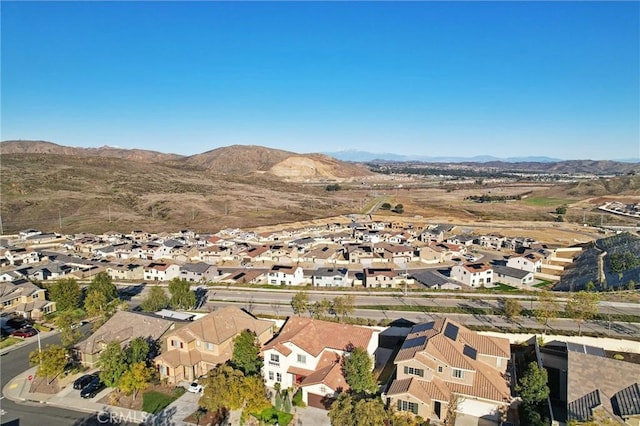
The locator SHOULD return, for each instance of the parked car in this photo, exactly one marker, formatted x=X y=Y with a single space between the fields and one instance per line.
x=92 y=389
x=25 y=332
x=83 y=381
x=195 y=387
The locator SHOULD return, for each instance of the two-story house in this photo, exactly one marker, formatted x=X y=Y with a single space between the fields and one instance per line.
x=130 y=271
x=473 y=274
x=331 y=277
x=198 y=272
x=441 y=362
x=307 y=354
x=531 y=262
x=285 y=275
x=192 y=350
x=24 y=298
x=381 y=278
x=512 y=276
x=161 y=271
x=122 y=327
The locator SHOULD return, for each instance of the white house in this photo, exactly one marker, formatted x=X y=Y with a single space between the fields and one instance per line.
x=473 y=274
x=285 y=275
x=531 y=262
x=331 y=277
x=161 y=272
x=307 y=353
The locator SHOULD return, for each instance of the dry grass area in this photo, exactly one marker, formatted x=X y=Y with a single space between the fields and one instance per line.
x=73 y=194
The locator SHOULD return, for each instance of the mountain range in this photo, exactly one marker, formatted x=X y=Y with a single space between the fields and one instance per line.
x=365 y=156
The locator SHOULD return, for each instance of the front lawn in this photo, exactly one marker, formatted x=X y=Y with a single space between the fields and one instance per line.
x=271 y=416
x=154 y=401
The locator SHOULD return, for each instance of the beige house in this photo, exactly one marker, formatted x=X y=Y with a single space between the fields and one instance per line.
x=130 y=271
x=442 y=360
x=191 y=351
x=122 y=327
x=24 y=298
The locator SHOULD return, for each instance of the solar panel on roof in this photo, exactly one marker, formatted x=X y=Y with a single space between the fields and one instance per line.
x=412 y=343
x=422 y=327
x=451 y=331
x=592 y=350
x=470 y=352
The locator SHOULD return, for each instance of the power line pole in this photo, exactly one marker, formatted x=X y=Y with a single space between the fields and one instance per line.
x=1 y=227
x=60 y=220
x=109 y=213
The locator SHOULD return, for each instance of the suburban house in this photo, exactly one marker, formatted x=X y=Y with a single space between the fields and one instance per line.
x=512 y=276
x=122 y=327
x=192 y=350
x=397 y=253
x=130 y=271
x=198 y=272
x=21 y=256
x=492 y=241
x=473 y=274
x=25 y=298
x=442 y=361
x=307 y=353
x=531 y=262
x=434 y=280
x=381 y=278
x=285 y=275
x=331 y=277
x=589 y=385
x=161 y=271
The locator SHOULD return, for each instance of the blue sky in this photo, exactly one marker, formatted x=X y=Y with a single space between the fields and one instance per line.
x=559 y=79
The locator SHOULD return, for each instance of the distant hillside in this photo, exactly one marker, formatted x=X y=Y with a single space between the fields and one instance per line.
x=43 y=147
x=610 y=263
x=619 y=185
x=602 y=167
x=246 y=159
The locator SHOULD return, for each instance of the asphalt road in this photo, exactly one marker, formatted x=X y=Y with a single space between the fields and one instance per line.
x=36 y=414
x=479 y=300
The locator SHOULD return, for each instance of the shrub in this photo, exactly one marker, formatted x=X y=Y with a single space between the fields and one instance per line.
x=619 y=357
x=297 y=399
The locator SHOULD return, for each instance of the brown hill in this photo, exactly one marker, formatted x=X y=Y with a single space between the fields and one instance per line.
x=247 y=159
x=597 y=167
x=44 y=147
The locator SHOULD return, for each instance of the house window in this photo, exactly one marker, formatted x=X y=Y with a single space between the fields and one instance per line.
x=323 y=390
x=275 y=358
x=302 y=359
x=209 y=346
x=440 y=369
x=270 y=375
x=457 y=373
x=407 y=406
x=278 y=377
x=414 y=371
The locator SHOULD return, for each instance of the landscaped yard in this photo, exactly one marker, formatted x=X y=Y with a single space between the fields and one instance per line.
x=271 y=416
x=153 y=400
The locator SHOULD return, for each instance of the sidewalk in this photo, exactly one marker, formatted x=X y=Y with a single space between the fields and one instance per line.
x=17 y=390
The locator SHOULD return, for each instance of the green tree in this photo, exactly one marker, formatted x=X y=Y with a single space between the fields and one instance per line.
x=511 y=308
x=98 y=306
x=255 y=395
x=51 y=360
x=246 y=353
x=321 y=308
x=155 y=300
x=299 y=303
x=357 y=367
x=343 y=306
x=135 y=379
x=399 y=208
x=631 y=285
x=223 y=388
x=341 y=411
x=548 y=308
x=137 y=351
x=370 y=412
x=182 y=297
x=66 y=293
x=582 y=306
x=69 y=333
x=385 y=206
x=532 y=386
x=113 y=364
x=561 y=210
x=103 y=283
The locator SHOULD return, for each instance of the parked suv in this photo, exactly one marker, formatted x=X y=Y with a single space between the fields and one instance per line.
x=92 y=389
x=83 y=381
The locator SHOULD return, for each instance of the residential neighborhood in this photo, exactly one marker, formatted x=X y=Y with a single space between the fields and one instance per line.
x=431 y=371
